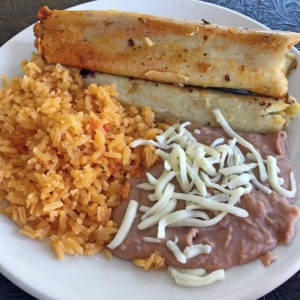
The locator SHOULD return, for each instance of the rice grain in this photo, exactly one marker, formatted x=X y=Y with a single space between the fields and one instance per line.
x=65 y=156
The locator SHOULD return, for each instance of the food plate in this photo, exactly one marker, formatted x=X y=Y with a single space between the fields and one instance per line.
x=32 y=264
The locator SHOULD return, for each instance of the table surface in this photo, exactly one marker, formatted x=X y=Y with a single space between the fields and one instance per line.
x=15 y=15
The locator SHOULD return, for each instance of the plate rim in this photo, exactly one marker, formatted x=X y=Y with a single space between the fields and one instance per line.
x=260 y=289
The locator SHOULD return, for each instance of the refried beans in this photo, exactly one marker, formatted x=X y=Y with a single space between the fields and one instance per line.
x=234 y=240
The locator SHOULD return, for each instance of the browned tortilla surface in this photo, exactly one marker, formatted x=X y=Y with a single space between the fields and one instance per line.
x=243 y=112
x=234 y=240
x=177 y=51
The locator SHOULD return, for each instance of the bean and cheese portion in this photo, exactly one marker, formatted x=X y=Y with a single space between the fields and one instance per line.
x=213 y=201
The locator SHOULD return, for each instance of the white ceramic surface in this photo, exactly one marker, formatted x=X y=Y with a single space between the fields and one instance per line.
x=33 y=266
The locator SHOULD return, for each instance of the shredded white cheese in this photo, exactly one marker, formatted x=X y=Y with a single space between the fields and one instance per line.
x=167 y=166
x=146 y=186
x=162 y=182
x=162 y=202
x=143 y=142
x=149 y=239
x=221 y=120
x=221 y=167
x=195 y=250
x=151 y=178
x=152 y=197
x=175 y=217
x=211 y=204
x=188 y=252
x=274 y=180
x=237 y=169
x=197 y=167
x=154 y=219
x=125 y=226
x=238 y=181
x=172 y=246
x=143 y=208
x=188 y=280
x=259 y=185
x=217 y=142
x=195 y=272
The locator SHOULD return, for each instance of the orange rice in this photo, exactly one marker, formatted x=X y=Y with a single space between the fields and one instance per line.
x=65 y=156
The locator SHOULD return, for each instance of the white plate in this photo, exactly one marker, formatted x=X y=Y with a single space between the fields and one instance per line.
x=33 y=266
